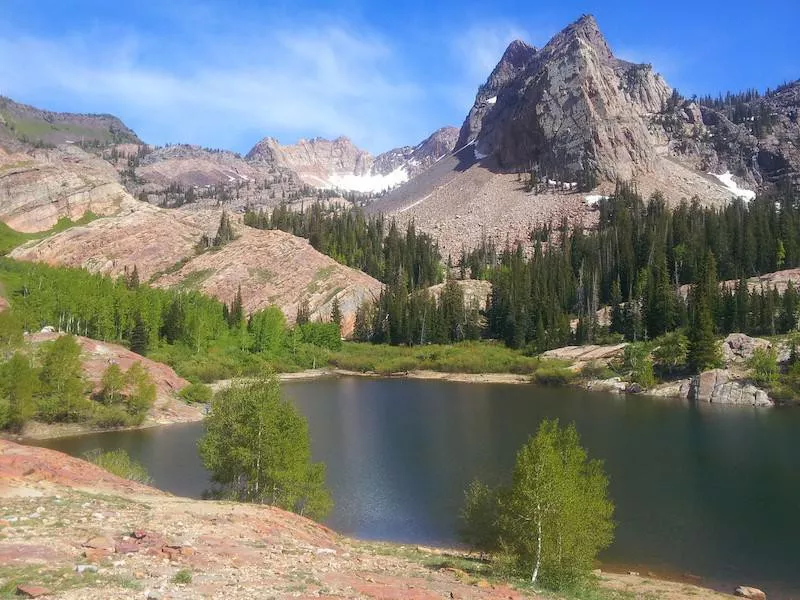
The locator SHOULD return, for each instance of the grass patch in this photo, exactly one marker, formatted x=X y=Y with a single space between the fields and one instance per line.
x=194 y=279
x=465 y=357
x=11 y=238
x=183 y=576
x=57 y=580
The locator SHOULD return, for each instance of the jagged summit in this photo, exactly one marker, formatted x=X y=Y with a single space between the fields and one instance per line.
x=567 y=109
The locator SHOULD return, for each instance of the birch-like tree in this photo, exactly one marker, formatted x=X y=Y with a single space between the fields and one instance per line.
x=257 y=448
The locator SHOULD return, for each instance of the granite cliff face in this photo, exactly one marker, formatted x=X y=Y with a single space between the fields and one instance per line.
x=569 y=108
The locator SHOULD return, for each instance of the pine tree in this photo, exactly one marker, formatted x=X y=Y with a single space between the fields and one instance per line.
x=336 y=313
x=236 y=311
x=704 y=352
x=140 y=336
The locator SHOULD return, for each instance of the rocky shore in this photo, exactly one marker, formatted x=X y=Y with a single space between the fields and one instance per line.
x=71 y=530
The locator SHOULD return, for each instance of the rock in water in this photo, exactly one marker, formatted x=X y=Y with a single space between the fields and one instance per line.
x=717 y=387
x=744 y=591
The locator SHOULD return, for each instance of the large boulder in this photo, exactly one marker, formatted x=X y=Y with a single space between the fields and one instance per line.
x=718 y=387
x=739 y=348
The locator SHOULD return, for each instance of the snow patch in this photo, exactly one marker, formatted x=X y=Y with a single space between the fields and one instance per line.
x=479 y=155
x=726 y=179
x=492 y=100
x=368 y=183
x=593 y=199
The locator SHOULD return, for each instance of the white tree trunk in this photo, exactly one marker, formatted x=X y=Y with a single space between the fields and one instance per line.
x=538 y=562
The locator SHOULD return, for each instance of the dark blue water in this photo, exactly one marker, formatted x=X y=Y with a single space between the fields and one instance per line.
x=704 y=490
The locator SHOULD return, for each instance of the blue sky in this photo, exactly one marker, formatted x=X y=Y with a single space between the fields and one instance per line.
x=225 y=74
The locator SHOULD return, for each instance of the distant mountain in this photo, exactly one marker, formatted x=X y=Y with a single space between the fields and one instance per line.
x=581 y=120
x=341 y=164
x=22 y=125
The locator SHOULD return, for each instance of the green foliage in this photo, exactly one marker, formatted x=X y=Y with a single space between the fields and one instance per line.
x=639 y=364
x=324 y=335
x=119 y=463
x=184 y=576
x=553 y=519
x=557 y=515
x=62 y=385
x=553 y=374
x=257 y=448
x=356 y=240
x=18 y=386
x=10 y=330
x=764 y=366
x=480 y=517
x=113 y=385
x=465 y=357
x=672 y=351
x=196 y=393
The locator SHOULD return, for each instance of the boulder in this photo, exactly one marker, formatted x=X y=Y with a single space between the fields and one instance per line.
x=718 y=387
x=744 y=591
x=739 y=348
x=32 y=591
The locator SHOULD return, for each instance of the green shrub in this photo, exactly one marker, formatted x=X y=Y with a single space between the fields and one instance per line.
x=549 y=374
x=119 y=463
x=596 y=370
x=183 y=576
x=764 y=366
x=196 y=393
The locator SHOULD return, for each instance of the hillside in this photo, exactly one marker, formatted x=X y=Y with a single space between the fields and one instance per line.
x=22 y=126
x=128 y=540
x=40 y=186
x=272 y=267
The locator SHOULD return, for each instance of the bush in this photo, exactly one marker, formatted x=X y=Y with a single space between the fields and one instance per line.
x=183 y=576
x=639 y=364
x=596 y=370
x=196 y=393
x=764 y=366
x=119 y=463
x=553 y=375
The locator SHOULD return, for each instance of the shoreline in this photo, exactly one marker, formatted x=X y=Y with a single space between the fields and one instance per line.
x=37 y=431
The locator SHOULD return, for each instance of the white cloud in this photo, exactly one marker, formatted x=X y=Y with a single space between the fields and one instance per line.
x=324 y=80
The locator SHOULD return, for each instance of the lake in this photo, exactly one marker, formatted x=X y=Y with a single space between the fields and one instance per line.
x=707 y=490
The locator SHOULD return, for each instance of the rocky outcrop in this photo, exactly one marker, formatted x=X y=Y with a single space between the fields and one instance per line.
x=476 y=291
x=41 y=186
x=569 y=108
x=739 y=348
x=719 y=387
x=315 y=160
x=754 y=139
x=415 y=159
x=587 y=354
x=149 y=238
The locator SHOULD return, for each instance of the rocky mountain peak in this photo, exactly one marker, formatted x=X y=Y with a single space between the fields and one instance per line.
x=570 y=109
x=586 y=30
